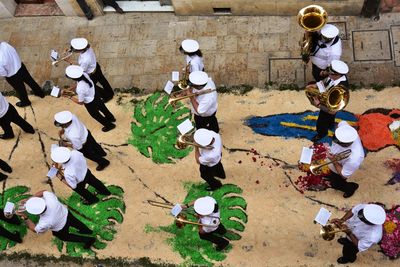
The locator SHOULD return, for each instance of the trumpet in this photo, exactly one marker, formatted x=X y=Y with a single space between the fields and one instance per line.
x=174 y=97
x=317 y=169
x=64 y=56
x=184 y=82
x=187 y=139
x=328 y=231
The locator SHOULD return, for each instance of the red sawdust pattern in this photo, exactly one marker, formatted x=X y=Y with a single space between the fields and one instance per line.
x=374 y=131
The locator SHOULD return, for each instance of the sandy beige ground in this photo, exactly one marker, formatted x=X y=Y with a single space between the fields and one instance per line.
x=279 y=232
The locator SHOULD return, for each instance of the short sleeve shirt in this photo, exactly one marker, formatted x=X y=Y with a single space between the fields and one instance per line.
x=10 y=62
x=208 y=103
x=76 y=133
x=85 y=91
x=75 y=169
x=211 y=157
x=87 y=60
x=324 y=56
x=196 y=63
x=3 y=105
x=213 y=219
x=55 y=216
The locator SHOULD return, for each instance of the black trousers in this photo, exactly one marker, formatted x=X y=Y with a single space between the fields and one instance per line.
x=316 y=73
x=95 y=107
x=13 y=116
x=4 y=232
x=93 y=150
x=111 y=3
x=72 y=221
x=209 y=174
x=90 y=179
x=210 y=123
x=349 y=251
x=106 y=91
x=215 y=237
x=325 y=122
x=5 y=167
x=339 y=183
x=17 y=82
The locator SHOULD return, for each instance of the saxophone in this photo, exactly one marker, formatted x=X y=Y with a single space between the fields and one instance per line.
x=184 y=82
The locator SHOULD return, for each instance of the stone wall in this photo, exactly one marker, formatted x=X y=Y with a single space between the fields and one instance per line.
x=95 y=5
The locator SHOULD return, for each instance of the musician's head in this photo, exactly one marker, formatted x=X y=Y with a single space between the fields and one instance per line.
x=328 y=33
x=372 y=214
x=204 y=137
x=60 y=155
x=63 y=119
x=337 y=69
x=79 y=45
x=345 y=135
x=205 y=206
x=35 y=206
x=198 y=79
x=190 y=47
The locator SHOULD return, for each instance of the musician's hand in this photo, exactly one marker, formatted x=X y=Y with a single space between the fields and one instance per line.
x=337 y=222
x=316 y=101
x=324 y=73
x=330 y=156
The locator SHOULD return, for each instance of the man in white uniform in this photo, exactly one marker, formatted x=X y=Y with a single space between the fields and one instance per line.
x=364 y=229
x=194 y=57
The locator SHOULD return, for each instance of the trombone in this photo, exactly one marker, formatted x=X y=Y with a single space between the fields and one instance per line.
x=317 y=169
x=63 y=57
x=174 y=97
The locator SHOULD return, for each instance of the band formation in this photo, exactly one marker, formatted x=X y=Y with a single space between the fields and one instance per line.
x=329 y=92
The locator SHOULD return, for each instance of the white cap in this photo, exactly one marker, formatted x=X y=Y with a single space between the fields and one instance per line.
x=74 y=71
x=35 y=205
x=329 y=31
x=198 y=77
x=63 y=117
x=203 y=137
x=204 y=205
x=190 y=45
x=346 y=134
x=60 y=154
x=374 y=214
x=79 y=43
x=339 y=66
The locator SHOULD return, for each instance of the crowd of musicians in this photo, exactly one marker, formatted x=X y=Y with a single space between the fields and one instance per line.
x=89 y=87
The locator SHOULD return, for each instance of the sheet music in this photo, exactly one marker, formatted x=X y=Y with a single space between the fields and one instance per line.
x=168 y=87
x=175 y=76
x=176 y=210
x=55 y=92
x=185 y=127
x=322 y=217
x=321 y=86
x=52 y=172
x=9 y=207
x=54 y=55
x=306 y=155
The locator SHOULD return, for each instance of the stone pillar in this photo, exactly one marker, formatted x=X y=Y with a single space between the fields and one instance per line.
x=7 y=8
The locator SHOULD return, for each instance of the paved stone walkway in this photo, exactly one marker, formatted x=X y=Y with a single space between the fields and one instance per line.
x=141 y=49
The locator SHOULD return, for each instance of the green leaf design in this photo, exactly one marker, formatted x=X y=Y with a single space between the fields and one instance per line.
x=187 y=242
x=101 y=217
x=154 y=131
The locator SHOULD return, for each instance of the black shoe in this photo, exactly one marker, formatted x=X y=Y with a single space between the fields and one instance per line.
x=316 y=138
x=108 y=128
x=351 y=191
x=112 y=119
x=7 y=168
x=6 y=136
x=119 y=10
x=3 y=176
x=220 y=248
x=31 y=131
x=41 y=95
x=86 y=232
x=23 y=104
x=108 y=98
x=342 y=260
x=342 y=240
x=89 y=244
x=102 y=166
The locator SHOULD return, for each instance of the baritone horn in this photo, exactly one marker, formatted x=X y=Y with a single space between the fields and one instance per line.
x=317 y=169
x=184 y=82
x=334 y=99
x=328 y=231
x=187 y=139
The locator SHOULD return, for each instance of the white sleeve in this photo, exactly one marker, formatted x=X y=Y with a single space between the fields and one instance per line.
x=41 y=227
x=3 y=71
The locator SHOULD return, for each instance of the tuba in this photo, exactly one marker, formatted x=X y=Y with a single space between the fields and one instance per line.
x=184 y=82
x=187 y=139
x=334 y=99
x=311 y=18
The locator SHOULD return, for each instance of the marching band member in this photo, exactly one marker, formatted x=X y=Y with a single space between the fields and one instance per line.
x=363 y=225
x=54 y=216
x=78 y=137
x=204 y=106
x=9 y=114
x=7 y=234
x=326 y=119
x=194 y=57
x=209 y=157
x=87 y=60
x=4 y=167
x=76 y=174
x=346 y=137
x=328 y=47
x=84 y=89
x=16 y=74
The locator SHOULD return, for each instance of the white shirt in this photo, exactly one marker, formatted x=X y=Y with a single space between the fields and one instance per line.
x=212 y=219
x=211 y=157
x=351 y=163
x=75 y=169
x=84 y=91
x=55 y=215
x=332 y=83
x=324 y=56
x=196 y=63
x=10 y=62
x=3 y=105
x=87 y=60
x=208 y=103
x=367 y=235
x=76 y=133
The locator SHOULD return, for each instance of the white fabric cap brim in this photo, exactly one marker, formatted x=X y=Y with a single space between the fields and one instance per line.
x=339 y=66
x=203 y=137
x=60 y=154
x=198 y=77
x=190 y=46
x=329 y=31
x=79 y=43
x=74 y=71
x=374 y=214
x=35 y=205
x=204 y=205
x=346 y=134
x=63 y=117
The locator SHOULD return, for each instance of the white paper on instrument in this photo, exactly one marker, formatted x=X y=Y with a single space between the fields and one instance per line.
x=54 y=55
x=176 y=210
x=306 y=155
x=175 y=76
x=323 y=216
x=52 y=172
x=321 y=86
x=185 y=127
x=9 y=207
x=55 y=92
x=53 y=146
x=168 y=87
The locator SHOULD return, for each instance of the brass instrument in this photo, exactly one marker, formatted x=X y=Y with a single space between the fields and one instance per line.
x=174 y=97
x=316 y=169
x=311 y=18
x=328 y=231
x=63 y=57
x=184 y=82
x=164 y=205
x=187 y=139
x=69 y=93
x=334 y=99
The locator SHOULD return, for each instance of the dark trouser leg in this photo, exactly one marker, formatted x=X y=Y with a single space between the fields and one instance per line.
x=212 y=237
x=5 y=124
x=72 y=221
x=83 y=192
x=94 y=145
x=325 y=122
x=102 y=107
x=27 y=78
x=94 y=111
x=18 y=120
x=316 y=73
x=338 y=182
x=5 y=167
x=219 y=171
x=210 y=123
x=11 y=236
x=98 y=75
x=90 y=151
x=13 y=220
x=349 y=251
x=207 y=174
x=16 y=81
x=96 y=183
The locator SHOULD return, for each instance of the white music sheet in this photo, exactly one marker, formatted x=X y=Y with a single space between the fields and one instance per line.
x=175 y=76
x=176 y=210
x=55 y=92
x=322 y=217
x=168 y=87
x=306 y=155
x=52 y=172
x=185 y=127
x=53 y=55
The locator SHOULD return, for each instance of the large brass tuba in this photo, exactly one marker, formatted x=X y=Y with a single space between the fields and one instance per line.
x=311 y=18
x=334 y=99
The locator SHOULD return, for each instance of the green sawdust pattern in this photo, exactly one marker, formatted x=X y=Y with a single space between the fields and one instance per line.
x=187 y=242
x=154 y=131
x=100 y=217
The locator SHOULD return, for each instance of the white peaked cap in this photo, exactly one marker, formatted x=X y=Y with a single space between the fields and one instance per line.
x=63 y=117
x=203 y=137
x=339 y=66
x=35 y=205
x=374 y=214
x=198 y=77
x=329 y=31
x=74 y=71
x=60 y=154
x=79 y=43
x=190 y=45
x=346 y=134
x=204 y=205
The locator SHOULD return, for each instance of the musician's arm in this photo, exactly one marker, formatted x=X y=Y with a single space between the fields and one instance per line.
x=338 y=168
x=65 y=182
x=352 y=237
x=195 y=104
x=76 y=100
x=197 y=154
x=39 y=193
x=31 y=225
